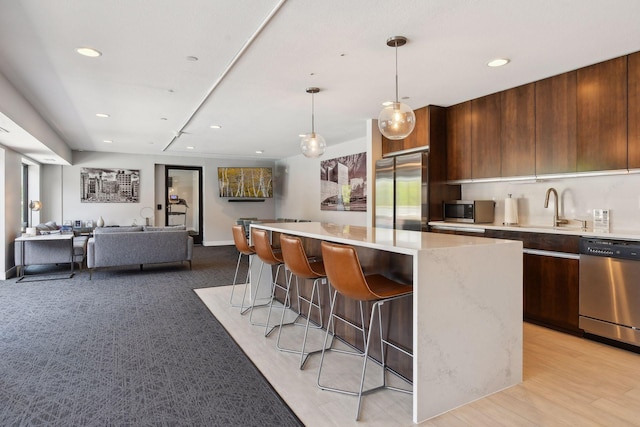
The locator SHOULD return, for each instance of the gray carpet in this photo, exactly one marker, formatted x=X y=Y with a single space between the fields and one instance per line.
x=128 y=348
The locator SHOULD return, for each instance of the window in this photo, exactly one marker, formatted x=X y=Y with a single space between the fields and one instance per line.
x=24 y=197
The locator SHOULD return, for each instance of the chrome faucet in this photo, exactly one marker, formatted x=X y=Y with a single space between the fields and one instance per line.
x=556 y=217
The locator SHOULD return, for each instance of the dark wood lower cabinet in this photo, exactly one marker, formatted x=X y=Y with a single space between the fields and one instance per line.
x=550 y=288
x=550 y=283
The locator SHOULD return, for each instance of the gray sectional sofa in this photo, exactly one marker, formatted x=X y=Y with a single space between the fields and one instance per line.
x=122 y=246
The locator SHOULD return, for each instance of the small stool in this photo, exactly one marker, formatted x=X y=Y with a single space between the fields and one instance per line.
x=345 y=274
x=296 y=260
x=242 y=245
x=268 y=256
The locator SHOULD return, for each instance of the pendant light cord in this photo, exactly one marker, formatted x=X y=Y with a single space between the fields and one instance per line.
x=313 y=131
x=396 y=72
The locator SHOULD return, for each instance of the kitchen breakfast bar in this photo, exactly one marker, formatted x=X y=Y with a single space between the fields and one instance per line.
x=466 y=310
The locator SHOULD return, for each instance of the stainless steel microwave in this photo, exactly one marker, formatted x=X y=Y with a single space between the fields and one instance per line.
x=470 y=211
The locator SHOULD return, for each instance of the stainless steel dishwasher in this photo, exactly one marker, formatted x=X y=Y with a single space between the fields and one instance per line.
x=610 y=289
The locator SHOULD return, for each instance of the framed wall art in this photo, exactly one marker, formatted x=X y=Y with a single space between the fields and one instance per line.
x=98 y=185
x=343 y=183
x=245 y=183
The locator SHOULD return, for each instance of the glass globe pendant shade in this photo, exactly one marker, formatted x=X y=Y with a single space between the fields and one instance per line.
x=313 y=145
x=396 y=121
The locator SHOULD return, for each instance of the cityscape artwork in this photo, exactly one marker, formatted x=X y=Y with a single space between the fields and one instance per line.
x=98 y=185
x=343 y=183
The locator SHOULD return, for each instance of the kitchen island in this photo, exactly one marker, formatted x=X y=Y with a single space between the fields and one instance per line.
x=467 y=306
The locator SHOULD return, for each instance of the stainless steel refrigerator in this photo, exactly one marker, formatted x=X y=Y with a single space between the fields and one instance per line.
x=401 y=192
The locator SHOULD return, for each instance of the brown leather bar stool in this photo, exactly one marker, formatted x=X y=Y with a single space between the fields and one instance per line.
x=243 y=247
x=268 y=256
x=345 y=274
x=296 y=260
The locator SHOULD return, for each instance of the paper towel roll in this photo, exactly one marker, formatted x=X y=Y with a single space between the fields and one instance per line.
x=510 y=211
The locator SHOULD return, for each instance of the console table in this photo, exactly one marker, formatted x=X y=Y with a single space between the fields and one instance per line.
x=45 y=249
x=466 y=312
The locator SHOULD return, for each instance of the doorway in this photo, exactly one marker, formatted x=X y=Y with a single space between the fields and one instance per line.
x=183 y=196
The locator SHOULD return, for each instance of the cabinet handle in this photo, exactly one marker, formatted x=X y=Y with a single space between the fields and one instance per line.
x=550 y=253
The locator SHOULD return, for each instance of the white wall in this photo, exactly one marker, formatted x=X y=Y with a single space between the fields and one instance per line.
x=298 y=186
x=578 y=197
x=219 y=214
x=18 y=109
x=10 y=185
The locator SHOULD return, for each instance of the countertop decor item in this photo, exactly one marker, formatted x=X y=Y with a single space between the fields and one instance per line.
x=396 y=120
x=510 y=211
x=147 y=214
x=313 y=144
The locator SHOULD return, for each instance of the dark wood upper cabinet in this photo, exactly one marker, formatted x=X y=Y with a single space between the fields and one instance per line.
x=556 y=124
x=634 y=110
x=420 y=135
x=391 y=145
x=517 y=130
x=459 y=141
x=485 y=137
x=602 y=116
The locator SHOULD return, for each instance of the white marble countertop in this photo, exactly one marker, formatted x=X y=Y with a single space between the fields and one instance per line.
x=398 y=241
x=567 y=230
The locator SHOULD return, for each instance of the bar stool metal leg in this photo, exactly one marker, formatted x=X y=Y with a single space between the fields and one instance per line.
x=377 y=307
x=235 y=277
x=315 y=292
x=286 y=303
x=242 y=245
x=246 y=308
x=266 y=304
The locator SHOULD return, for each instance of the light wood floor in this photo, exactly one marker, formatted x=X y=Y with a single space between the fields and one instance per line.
x=568 y=381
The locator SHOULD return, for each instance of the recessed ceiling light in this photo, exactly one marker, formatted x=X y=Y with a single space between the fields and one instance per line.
x=163 y=118
x=190 y=148
x=259 y=151
x=50 y=160
x=102 y=115
x=192 y=58
x=88 y=51
x=387 y=103
x=302 y=135
x=498 y=62
x=108 y=141
x=215 y=127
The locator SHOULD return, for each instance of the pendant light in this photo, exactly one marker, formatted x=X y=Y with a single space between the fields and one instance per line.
x=312 y=144
x=396 y=120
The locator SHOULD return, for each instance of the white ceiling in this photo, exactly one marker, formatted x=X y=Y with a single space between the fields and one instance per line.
x=144 y=81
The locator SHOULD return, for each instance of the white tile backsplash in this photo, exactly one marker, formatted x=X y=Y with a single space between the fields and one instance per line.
x=578 y=197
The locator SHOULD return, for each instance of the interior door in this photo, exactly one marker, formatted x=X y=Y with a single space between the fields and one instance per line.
x=183 y=199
